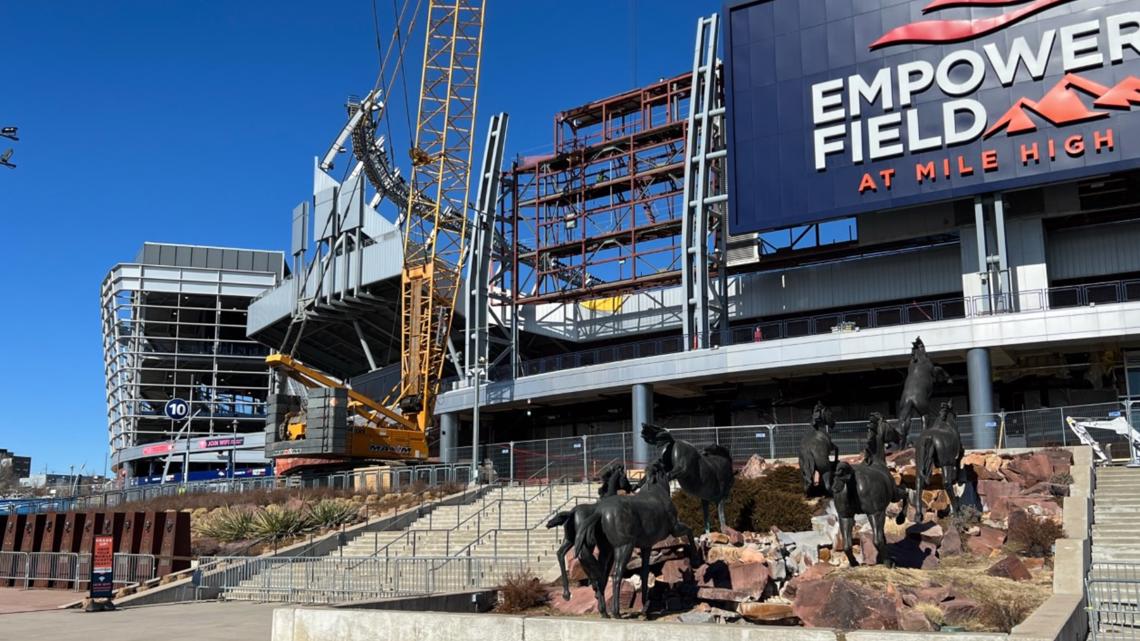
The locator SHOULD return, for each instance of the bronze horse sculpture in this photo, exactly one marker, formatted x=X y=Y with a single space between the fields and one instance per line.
x=613 y=480
x=705 y=474
x=921 y=376
x=868 y=488
x=618 y=524
x=818 y=454
x=939 y=445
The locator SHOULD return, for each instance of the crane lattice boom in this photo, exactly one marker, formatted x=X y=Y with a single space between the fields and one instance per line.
x=441 y=171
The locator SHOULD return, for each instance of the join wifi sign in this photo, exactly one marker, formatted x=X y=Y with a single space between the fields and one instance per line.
x=838 y=107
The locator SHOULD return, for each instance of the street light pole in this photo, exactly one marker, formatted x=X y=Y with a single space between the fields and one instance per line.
x=478 y=372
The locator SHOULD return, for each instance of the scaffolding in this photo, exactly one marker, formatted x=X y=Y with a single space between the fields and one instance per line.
x=176 y=330
x=602 y=215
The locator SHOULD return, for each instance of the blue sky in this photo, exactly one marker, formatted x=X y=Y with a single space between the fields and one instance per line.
x=196 y=122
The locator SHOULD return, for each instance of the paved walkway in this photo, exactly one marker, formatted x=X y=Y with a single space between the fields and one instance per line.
x=212 y=621
x=19 y=600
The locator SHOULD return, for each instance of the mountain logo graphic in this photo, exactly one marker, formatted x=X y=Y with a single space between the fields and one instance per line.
x=1062 y=105
x=944 y=31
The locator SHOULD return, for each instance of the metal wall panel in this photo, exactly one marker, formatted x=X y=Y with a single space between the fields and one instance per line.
x=1098 y=250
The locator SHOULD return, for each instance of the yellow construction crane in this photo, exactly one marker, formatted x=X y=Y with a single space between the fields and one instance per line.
x=435 y=246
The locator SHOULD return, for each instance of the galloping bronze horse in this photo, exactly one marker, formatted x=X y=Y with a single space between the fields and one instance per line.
x=613 y=481
x=921 y=376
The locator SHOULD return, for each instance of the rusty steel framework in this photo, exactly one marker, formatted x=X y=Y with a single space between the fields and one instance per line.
x=602 y=215
x=441 y=168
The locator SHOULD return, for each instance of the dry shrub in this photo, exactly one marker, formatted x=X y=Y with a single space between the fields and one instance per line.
x=1034 y=535
x=1004 y=603
x=755 y=504
x=1062 y=478
x=520 y=591
x=932 y=612
x=1003 y=614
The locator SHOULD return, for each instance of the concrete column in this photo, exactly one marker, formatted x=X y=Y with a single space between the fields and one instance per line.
x=642 y=413
x=448 y=436
x=981 y=397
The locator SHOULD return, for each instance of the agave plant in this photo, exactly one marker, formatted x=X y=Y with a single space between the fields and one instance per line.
x=275 y=522
x=227 y=524
x=332 y=513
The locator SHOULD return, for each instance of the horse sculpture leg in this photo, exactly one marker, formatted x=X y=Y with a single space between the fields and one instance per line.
x=705 y=511
x=621 y=559
x=878 y=523
x=645 y=553
x=847 y=527
x=720 y=514
x=950 y=482
x=597 y=569
x=567 y=543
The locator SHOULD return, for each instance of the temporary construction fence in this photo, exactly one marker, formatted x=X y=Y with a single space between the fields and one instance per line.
x=331 y=579
x=394 y=478
x=70 y=570
x=585 y=456
x=1113 y=592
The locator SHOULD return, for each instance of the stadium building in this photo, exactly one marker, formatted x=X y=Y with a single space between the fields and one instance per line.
x=174 y=328
x=730 y=245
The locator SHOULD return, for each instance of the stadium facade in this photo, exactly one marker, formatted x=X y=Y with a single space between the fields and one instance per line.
x=174 y=326
x=727 y=246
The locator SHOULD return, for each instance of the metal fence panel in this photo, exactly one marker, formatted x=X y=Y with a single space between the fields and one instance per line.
x=1113 y=591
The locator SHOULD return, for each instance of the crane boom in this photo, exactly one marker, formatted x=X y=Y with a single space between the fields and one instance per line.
x=434 y=250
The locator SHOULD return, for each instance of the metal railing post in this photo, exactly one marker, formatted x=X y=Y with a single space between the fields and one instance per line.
x=511 y=478
x=771 y=442
x=585 y=461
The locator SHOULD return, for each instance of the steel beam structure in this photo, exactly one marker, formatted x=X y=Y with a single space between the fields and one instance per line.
x=704 y=236
x=601 y=216
x=476 y=352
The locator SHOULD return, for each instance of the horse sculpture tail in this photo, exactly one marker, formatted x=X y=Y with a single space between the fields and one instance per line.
x=655 y=434
x=587 y=538
x=559 y=519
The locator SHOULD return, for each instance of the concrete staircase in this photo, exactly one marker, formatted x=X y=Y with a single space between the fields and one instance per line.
x=1116 y=516
x=504 y=531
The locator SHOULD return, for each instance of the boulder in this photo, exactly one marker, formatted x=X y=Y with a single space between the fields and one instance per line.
x=989 y=490
x=574 y=570
x=582 y=599
x=814 y=573
x=1033 y=468
x=951 y=542
x=721 y=581
x=936 y=500
x=717 y=538
x=766 y=612
x=959 y=610
x=1033 y=564
x=1010 y=567
x=1062 y=460
x=934 y=594
x=1046 y=488
x=927 y=531
x=752 y=554
x=836 y=603
x=697 y=617
x=1002 y=506
x=756 y=467
x=734 y=537
x=988 y=541
x=675 y=571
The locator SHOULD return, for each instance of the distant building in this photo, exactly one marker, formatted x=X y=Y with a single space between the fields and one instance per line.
x=21 y=465
x=174 y=327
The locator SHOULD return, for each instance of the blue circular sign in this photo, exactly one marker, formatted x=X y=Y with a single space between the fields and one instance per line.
x=177 y=409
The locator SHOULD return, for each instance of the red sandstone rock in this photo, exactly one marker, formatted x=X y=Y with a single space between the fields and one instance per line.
x=836 y=603
x=734 y=537
x=766 y=612
x=990 y=490
x=1033 y=468
x=959 y=610
x=755 y=468
x=934 y=594
x=582 y=599
x=743 y=580
x=987 y=542
x=951 y=542
x=1010 y=567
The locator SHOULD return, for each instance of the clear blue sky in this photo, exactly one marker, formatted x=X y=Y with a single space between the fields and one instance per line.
x=196 y=122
